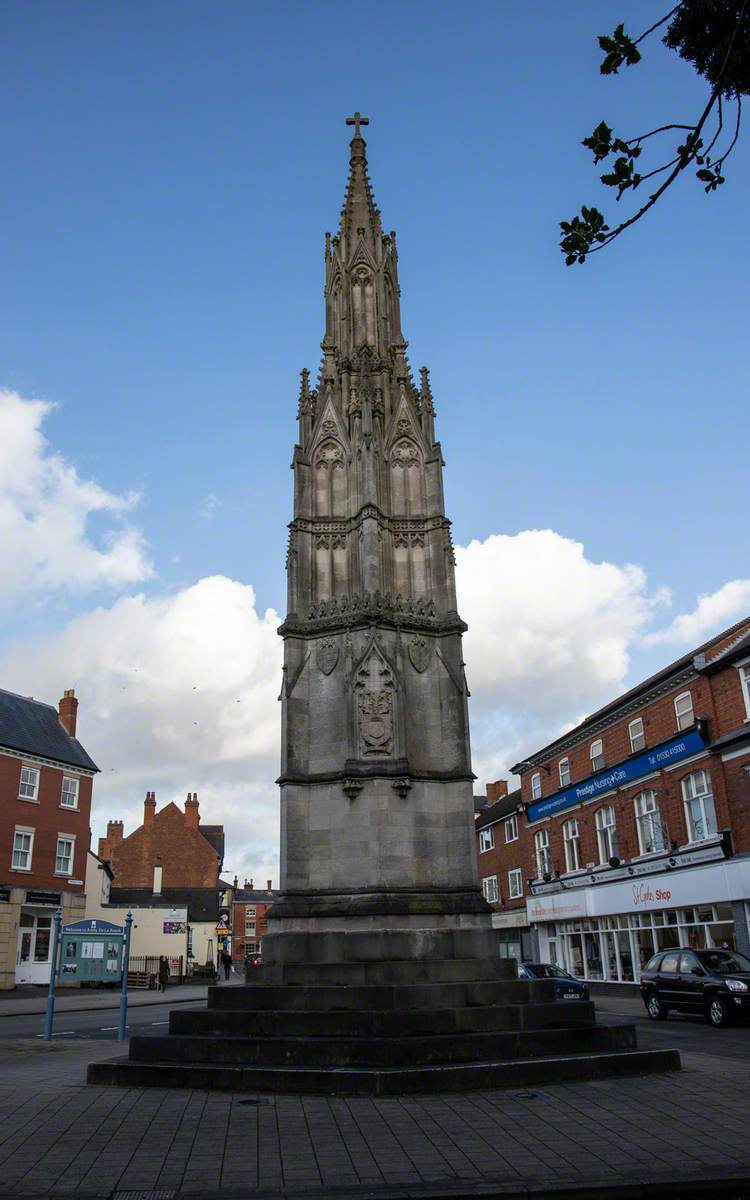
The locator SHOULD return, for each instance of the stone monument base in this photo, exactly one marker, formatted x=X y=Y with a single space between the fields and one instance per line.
x=379 y=1012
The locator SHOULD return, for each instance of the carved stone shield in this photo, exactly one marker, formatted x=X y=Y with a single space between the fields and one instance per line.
x=419 y=653
x=328 y=655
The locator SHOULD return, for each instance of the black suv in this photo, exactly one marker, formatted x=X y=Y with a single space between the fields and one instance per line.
x=715 y=983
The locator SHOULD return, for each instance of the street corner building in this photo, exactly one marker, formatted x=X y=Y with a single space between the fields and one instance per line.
x=630 y=834
x=46 y=780
x=167 y=873
x=380 y=972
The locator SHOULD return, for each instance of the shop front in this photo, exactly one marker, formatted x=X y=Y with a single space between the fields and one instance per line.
x=608 y=932
x=513 y=934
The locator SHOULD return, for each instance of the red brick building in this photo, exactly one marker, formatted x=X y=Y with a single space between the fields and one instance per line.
x=46 y=778
x=249 y=919
x=170 y=862
x=631 y=832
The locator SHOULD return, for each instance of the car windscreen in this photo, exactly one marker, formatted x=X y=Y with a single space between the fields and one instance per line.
x=724 y=962
x=546 y=971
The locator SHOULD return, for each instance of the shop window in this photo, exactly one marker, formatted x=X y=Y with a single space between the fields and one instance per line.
x=606 y=833
x=563 y=768
x=515 y=884
x=683 y=708
x=511 y=829
x=486 y=840
x=745 y=682
x=29 y=785
x=596 y=754
x=541 y=845
x=648 y=821
x=572 y=844
x=536 y=786
x=69 y=792
x=490 y=889
x=700 y=813
x=636 y=735
x=64 y=856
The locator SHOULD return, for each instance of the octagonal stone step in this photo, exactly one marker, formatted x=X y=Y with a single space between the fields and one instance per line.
x=309 y=997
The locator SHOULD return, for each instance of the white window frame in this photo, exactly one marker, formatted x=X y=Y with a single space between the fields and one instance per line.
x=75 y=781
x=572 y=844
x=637 y=734
x=648 y=822
x=34 y=785
x=606 y=833
x=680 y=716
x=515 y=884
x=158 y=876
x=596 y=754
x=23 y=832
x=486 y=840
x=67 y=839
x=541 y=853
x=707 y=805
x=251 y=920
x=563 y=770
x=536 y=785
x=511 y=827
x=744 y=673
x=490 y=890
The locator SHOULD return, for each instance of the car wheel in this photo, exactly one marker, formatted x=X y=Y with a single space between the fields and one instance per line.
x=717 y=1012
x=655 y=1008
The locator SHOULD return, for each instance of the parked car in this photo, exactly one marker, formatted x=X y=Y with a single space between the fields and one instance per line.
x=567 y=987
x=712 y=983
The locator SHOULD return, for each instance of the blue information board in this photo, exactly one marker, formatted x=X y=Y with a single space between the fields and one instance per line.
x=664 y=755
x=91 y=952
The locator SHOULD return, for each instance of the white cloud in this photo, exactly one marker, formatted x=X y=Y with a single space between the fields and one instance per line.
x=177 y=694
x=550 y=633
x=44 y=510
x=713 y=611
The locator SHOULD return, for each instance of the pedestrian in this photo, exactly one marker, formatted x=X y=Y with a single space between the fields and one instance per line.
x=226 y=962
x=163 y=973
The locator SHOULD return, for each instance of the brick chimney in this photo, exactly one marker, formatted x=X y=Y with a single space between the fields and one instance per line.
x=497 y=791
x=149 y=809
x=113 y=838
x=269 y=883
x=249 y=883
x=67 y=711
x=192 y=815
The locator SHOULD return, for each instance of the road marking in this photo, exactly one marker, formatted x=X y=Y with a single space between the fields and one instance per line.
x=107 y=1028
x=160 y=1022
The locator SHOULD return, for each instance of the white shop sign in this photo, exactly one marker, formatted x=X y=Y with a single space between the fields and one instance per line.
x=722 y=881
x=510 y=920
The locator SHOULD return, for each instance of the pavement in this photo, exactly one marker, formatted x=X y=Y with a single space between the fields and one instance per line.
x=635 y=1137
x=26 y=1000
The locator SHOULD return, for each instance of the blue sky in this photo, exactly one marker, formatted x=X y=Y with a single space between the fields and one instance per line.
x=170 y=171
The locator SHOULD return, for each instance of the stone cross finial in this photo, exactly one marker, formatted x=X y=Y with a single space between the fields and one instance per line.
x=356 y=121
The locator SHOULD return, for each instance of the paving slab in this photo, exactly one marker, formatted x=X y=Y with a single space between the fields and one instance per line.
x=637 y=1137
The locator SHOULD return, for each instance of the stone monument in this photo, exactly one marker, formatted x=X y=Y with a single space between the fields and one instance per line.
x=380 y=970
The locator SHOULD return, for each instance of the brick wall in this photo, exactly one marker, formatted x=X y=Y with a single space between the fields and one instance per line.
x=170 y=839
x=48 y=819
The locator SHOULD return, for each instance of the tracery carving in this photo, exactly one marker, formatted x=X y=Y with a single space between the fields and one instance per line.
x=374 y=691
x=330 y=454
x=405 y=454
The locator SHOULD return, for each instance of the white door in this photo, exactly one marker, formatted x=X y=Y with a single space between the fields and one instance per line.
x=34 y=947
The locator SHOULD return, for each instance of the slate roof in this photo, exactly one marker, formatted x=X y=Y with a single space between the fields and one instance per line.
x=255 y=895
x=32 y=727
x=202 y=903
x=502 y=808
x=214 y=835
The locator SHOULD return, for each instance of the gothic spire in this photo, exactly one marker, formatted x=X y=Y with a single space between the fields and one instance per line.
x=360 y=210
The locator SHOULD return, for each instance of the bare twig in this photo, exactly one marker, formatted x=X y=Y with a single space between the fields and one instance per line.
x=656 y=26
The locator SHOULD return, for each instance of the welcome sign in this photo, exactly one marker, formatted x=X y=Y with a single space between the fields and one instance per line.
x=640 y=764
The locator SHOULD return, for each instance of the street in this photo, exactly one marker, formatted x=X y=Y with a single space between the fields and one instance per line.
x=687 y=1034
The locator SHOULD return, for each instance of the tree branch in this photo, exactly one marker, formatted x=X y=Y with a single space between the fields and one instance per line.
x=656 y=26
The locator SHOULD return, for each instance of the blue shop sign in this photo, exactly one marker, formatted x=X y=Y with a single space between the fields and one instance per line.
x=641 y=764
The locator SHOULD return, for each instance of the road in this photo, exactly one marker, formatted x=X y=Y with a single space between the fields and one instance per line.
x=101 y=1024
x=683 y=1033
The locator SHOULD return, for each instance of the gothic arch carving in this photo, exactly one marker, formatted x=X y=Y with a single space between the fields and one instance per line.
x=375 y=689
x=329 y=468
x=406 y=469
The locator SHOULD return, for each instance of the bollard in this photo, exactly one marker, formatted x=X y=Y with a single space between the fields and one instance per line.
x=124 y=992
x=49 y=1017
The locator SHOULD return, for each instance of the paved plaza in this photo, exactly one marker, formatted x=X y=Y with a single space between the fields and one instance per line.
x=626 y=1137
